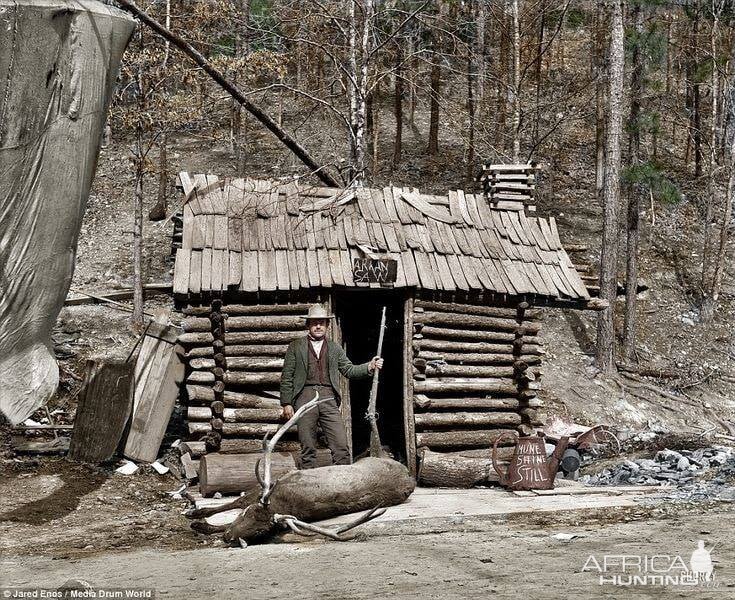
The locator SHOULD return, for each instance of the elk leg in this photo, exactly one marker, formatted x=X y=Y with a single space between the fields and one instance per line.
x=203 y=513
x=204 y=527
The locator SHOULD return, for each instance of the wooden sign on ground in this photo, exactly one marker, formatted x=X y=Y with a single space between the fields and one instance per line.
x=103 y=411
x=159 y=371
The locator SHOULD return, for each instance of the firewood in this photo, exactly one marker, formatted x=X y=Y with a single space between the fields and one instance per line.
x=435 y=420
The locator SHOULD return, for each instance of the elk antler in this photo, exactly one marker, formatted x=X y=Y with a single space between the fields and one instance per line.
x=307 y=529
x=269 y=446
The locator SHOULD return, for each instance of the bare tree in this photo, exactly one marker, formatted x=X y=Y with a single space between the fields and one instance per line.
x=609 y=252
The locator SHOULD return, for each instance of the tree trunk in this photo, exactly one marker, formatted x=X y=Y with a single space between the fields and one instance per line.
x=435 y=90
x=599 y=101
x=516 y=88
x=398 y=108
x=609 y=253
x=634 y=191
x=137 y=316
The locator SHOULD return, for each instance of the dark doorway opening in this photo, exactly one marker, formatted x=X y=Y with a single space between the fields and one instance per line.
x=359 y=316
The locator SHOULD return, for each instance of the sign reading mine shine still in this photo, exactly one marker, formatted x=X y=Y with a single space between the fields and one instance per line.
x=371 y=270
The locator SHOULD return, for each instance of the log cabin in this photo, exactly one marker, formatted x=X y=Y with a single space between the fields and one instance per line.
x=463 y=280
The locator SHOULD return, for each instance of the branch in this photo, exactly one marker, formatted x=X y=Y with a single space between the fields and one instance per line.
x=233 y=90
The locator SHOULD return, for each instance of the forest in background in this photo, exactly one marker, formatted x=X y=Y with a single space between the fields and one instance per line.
x=628 y=106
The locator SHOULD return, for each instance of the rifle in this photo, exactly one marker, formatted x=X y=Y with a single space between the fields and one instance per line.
x=375 y=447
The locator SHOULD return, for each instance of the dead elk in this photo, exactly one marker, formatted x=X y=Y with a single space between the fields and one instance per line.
x=310 y=495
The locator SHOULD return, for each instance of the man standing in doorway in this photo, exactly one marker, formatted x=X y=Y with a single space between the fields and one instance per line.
x=312 y=364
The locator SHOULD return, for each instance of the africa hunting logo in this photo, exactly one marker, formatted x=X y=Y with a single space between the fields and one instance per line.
x=658 y=569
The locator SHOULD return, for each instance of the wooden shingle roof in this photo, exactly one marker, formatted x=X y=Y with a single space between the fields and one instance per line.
x=256 y=235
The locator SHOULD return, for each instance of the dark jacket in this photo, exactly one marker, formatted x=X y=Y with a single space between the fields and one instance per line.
x=295 y=366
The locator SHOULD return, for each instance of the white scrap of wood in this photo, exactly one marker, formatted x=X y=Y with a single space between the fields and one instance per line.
x=160 y=469
x=128 y=468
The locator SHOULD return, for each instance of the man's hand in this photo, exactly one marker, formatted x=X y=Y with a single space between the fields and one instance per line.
x=375 y=363
x=286 y=412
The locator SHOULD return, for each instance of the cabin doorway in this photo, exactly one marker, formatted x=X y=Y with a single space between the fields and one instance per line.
x=358 y=313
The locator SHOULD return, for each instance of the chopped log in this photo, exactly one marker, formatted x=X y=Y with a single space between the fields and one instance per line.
x=246 y=323
x=468 y=334
x=446 y=370
x=240 y=446
x=459 y=439
x=471 y=309
x=239 y=350
x=471 y=321
x=241 y=337
x=534 y=402
x=238 y=363
x=498 y=386
x=236 y=429
x=200 y=377
x=201 y=394
x=472 y=347
x=262 y=378
x=438 y=469
x=424 y=402
x=433 y=420
x=235 y=473
x=191 y=467
x=474 y=359
x=105 y=404
x=255 y=309
x=236 y=415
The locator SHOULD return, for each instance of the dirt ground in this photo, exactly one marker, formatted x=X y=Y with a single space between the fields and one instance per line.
x=477 y=559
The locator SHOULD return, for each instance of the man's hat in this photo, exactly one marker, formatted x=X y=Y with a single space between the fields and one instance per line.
x=317 y=311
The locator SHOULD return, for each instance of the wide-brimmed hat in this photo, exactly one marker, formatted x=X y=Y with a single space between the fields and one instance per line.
x=317 y=311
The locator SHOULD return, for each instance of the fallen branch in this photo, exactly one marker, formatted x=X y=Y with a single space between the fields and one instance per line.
x=185 y=47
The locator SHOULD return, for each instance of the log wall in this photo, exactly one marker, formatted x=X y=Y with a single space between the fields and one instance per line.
x=476 y=374
x=234 y=359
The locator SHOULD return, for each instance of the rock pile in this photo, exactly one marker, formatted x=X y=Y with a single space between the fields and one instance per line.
x=702 y=474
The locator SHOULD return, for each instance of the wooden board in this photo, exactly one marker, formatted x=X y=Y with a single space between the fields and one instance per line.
x=159 y=372
x=181 y=271
x=103 y=411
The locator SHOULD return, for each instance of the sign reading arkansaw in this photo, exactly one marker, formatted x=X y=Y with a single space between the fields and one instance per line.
x=372 y=270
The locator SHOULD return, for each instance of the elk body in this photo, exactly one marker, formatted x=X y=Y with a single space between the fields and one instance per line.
x=311 y=495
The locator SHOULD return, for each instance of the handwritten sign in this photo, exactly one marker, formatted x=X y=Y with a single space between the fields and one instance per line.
x=371 y=270
x=531 y=467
